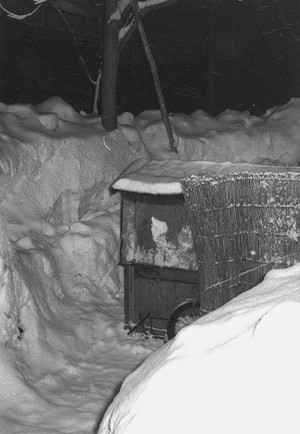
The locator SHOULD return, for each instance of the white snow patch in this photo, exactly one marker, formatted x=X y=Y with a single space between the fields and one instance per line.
x=158 y=229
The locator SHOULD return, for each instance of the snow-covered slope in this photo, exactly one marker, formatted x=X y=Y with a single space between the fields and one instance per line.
x=61 y=298
x=234 y=370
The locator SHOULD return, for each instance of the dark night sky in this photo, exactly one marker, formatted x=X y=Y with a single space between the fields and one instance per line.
x=257 y=59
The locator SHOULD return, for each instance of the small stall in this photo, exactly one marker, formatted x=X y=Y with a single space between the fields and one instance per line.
x=157 y=249
x=192 y=229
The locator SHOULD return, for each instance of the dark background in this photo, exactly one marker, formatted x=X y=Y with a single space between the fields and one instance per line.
x=257 y=57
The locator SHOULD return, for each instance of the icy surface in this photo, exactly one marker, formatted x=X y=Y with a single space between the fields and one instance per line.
x=63 y=349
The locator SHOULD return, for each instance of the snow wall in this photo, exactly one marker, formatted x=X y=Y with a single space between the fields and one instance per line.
x=59 y=229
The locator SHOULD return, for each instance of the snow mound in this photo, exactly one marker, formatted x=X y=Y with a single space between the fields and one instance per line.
x=58 y=236
x=61 y=285
x=58 y=162
x=234 y=370
x=231 y=136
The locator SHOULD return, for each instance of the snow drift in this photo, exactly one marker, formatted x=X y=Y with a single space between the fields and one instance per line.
x=232 y=136
x=59 y=231
x=57 y=166
x=234 y=370
x=56 y=162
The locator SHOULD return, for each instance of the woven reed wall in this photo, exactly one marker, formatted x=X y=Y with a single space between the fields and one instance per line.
x=243 y=225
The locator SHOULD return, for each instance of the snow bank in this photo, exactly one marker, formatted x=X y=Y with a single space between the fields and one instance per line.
x=59 y=254
x=57 y=162
x=231 y=136
x=239 y=137
x=57 y=167
x=234 y=370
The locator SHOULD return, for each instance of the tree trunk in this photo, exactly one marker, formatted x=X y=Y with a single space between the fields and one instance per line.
x=110 y=67
x=2 y=53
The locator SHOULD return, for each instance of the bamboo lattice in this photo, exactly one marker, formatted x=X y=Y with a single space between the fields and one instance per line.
x=243 y=225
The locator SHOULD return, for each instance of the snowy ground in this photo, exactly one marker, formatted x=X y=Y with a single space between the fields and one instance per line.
x=63 y=348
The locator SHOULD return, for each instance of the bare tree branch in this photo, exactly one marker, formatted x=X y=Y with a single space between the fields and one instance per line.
x=81 y=59
x=130 y=25
x=261 y=5
x=22 y=16
x=286 y=25
x=155 y=75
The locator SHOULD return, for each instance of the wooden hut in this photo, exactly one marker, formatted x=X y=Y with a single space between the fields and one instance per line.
x=157 y=249
x=179 y=238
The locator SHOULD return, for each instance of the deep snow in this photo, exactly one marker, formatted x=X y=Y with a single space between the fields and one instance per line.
x=235 y=370
x=63 y=348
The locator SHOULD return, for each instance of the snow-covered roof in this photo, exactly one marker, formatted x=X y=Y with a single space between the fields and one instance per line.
x=163 y=176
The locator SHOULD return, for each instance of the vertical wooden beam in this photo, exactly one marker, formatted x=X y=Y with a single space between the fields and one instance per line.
x=129 y=292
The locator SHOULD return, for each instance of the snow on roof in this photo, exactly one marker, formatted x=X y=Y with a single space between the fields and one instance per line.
x=163 y=176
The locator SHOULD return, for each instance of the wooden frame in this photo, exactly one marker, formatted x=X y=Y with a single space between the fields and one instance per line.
x=157 y=277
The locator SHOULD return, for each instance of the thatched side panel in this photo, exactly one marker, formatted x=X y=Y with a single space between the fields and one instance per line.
x=243 y=224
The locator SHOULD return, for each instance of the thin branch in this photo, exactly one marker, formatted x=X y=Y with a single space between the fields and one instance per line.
x=154 y=71
x=260 y=6
x=81 y=59
x=278 y=29
x=126 y=31
x=97 y=91
x=286 y=25
x=23 y=16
